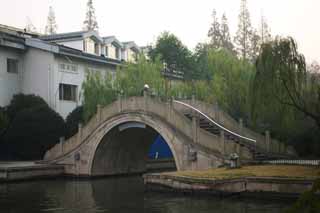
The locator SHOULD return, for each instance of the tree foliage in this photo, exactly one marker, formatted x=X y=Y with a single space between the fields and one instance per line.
x=51 y=27
x=90 y=23
x=243 y=36
x=97 y=90
x=73 y=120
x=226 y=42
x=21 y=102
x=282 y=79
x=32 y=132
x=214 y=32
x=132 y=77
x=174 y=54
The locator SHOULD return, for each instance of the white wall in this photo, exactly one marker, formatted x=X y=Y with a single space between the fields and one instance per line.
x=36 y=79
x=73 y=44
x=9 y=82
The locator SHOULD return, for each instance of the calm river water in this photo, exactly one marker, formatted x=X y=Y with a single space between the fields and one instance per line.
x=116 y=195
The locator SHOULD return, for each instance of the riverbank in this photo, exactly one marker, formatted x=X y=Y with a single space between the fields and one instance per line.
x=279 y=180
x=26 y=170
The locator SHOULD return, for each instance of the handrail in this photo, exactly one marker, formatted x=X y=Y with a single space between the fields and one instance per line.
x=212 y=121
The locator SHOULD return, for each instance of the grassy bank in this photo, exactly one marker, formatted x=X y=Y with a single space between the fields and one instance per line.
x=285 y=171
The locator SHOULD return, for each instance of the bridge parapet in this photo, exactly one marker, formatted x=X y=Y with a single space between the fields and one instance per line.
x=142 y=105
x=263 y=143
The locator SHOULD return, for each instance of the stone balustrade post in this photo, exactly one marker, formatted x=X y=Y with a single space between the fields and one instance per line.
x=145 y=95
x=239 y=153
x=79 y=133
x=241 y=126
x=120 y=102
x=223 y=143
x=267 y=141
x=99 y=113
x=61 y=142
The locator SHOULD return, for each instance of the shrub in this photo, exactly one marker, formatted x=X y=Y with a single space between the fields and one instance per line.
x=33 y=131
x=21 y=102
x=72 y=121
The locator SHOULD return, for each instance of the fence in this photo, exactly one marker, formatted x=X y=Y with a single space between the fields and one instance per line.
x=294 y=162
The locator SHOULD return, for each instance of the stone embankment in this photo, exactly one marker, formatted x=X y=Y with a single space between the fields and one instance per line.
x=223 y=182
x=13 y=171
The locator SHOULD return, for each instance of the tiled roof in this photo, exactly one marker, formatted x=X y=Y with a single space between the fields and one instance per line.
x=61 y=36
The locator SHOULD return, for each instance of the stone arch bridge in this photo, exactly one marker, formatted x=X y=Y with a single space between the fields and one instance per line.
x=116 y=140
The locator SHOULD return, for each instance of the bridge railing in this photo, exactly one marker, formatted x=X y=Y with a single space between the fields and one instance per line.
x=147 y=105
x=294 y=162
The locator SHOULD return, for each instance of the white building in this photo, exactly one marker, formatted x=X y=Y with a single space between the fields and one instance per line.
x=54 y=67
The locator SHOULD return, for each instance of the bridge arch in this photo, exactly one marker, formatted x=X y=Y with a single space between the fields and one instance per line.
x=192 y=147
x=112 y=144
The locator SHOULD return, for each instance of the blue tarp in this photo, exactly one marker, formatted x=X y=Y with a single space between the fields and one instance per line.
x=160 y=149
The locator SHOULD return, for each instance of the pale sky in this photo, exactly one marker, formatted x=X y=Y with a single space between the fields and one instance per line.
x=143 y=20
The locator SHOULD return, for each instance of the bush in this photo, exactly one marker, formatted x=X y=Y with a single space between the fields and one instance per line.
x=21 y=102
x=4 y=120
x=72 y=121
x=33 y=131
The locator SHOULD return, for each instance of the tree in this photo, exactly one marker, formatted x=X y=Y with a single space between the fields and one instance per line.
x=90 y=22
x=21 y=102
x=243 y=36
x=32 y=132
x=4 y=121
x=174 y=54
x=265 y=34
x=230 y=82
x=214 y=32
x=282 y=78
x=97 y=90
x=132 y=78
x=51 y=27
x=256 y=43
x=73 y=120
x=225 y=34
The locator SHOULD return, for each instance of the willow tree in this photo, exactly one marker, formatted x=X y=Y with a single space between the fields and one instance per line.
x=282 y=78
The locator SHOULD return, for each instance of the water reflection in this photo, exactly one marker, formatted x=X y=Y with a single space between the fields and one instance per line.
x=118 y=195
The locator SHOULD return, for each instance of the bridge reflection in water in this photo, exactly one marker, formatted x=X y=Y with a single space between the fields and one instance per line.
x=121 y=195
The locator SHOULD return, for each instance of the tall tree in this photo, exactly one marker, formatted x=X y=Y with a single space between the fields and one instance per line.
x=214 y=32
x=243 y=36
x=265 y=34
x=256 y=43
x=90 y=22
x=51 y=27
x=225 y=34
x=174 y=54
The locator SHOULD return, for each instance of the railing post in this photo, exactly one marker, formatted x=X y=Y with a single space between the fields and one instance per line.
x=79 y=133
x=267 y=140
x=241 y=125
x=145 y=95
x=61 y=142
x=119 y=102
x=98 y=113
x=239 y=153
x=223 y=143
x=194 y=128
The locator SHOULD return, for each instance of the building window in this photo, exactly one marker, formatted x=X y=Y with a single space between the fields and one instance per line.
x=96 y=48
x=117 y=53
x=68 y=92
x=107 y=51
x=68 y=68
x=12 y=65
